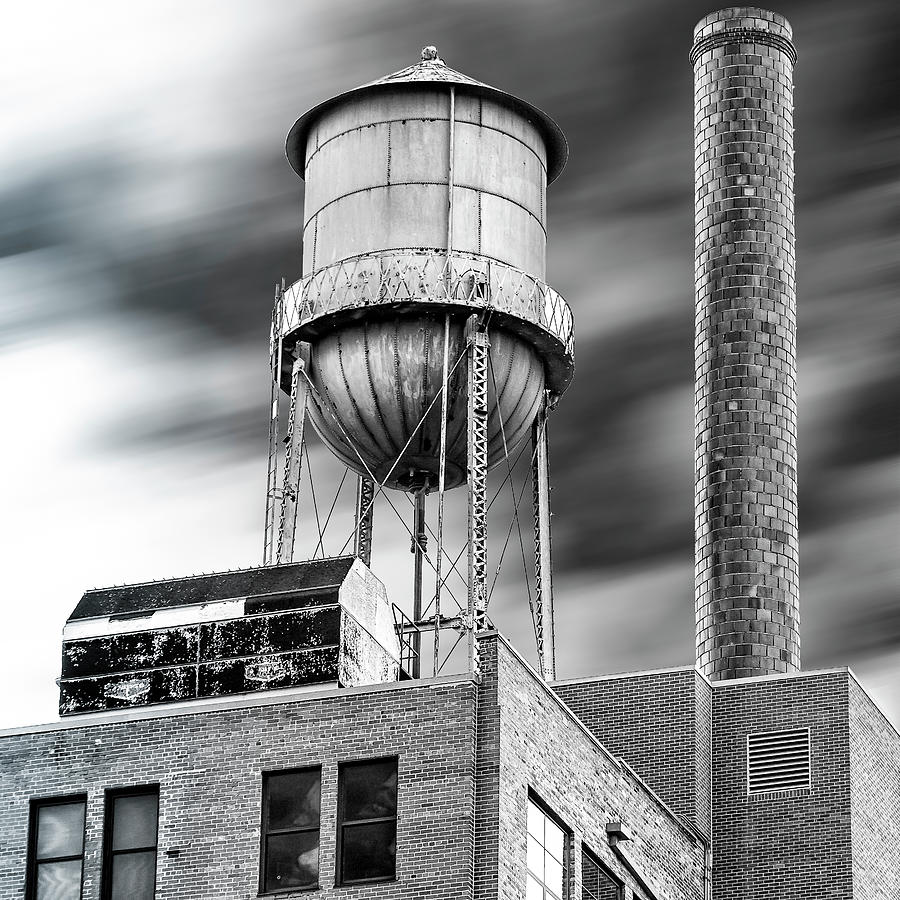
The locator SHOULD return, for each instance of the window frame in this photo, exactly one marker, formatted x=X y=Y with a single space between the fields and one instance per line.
x=342 y=823
x=264 y=834
x=566 y=861
x=32 y=862
x=109 y=804
x=588 y=854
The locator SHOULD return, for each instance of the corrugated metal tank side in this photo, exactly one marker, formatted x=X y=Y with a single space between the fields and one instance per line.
x=377 y=179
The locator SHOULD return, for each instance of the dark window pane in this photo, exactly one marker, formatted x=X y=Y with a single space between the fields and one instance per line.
x=60 y=830
x=59 y=881
x=294 y=799
x=292 y=860
x=134 y=822
x=369 y=851
x=370 y=790
x=133 y=876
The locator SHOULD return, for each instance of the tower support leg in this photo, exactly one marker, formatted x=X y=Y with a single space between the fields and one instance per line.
x=543 y=571
x=365 y=502
x=272 y=493
x=290 y=487
x=419 y=542
x=478 y=347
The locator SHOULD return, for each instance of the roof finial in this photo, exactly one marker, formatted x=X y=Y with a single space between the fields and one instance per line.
x=430 y=54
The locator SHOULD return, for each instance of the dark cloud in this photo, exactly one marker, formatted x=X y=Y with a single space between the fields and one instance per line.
x=871 y=415
x=189 y=426
x=616 y=503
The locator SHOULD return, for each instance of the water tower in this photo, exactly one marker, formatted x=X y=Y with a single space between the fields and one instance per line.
x=422 y=342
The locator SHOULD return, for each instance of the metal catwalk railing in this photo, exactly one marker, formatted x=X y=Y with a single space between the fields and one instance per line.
x=420 y=276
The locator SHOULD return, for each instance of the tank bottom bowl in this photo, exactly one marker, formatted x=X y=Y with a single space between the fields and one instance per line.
x=377 y=401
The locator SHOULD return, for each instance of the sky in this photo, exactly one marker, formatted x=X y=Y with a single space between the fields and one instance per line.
x=146 y=210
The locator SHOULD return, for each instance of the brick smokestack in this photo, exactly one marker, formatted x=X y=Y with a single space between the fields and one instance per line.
x=747 y=601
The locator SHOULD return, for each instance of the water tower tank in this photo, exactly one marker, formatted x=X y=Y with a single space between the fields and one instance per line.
x=425 y=197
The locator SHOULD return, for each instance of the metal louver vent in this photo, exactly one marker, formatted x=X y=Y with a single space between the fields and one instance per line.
x=778 y=761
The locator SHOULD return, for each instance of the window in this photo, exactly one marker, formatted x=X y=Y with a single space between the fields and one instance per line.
x=545 y=855
x=290 y=830
x=129 y=844
x=367 y=821
x=56 y=848
x=596 y=882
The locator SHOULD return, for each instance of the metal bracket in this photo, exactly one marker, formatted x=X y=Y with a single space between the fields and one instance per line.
x=365 y=502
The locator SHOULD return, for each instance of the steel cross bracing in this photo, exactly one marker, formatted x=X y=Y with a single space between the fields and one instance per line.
x=474 y=619
x=325 y=405
x=461 y=623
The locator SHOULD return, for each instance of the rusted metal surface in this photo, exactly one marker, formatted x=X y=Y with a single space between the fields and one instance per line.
x=377 y=403
x=478 y=102
x=363 y=519
x=129 y=652
x=424 y=254
x=198 y=589
x=363 y=660
x=387 y=279
x=274 y=640
x=289 y=600
x=239 y=676
x=234 y=655
x=259 y=635
x=134 y=689
x=424 y=200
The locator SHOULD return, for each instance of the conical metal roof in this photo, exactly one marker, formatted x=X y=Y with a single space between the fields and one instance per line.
x=430 y=71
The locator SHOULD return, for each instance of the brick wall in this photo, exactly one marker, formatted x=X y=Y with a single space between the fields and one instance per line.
x=543 y=747
x=208 y=765
x=792 y=846
x=875 y=799
x=487 y=787
x=703 y=725
x=659 y=723
x=745 y=350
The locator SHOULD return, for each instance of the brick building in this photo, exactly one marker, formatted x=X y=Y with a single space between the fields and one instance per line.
x=258 y=733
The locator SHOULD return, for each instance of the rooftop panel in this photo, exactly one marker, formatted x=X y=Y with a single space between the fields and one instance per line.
x=313 y=575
